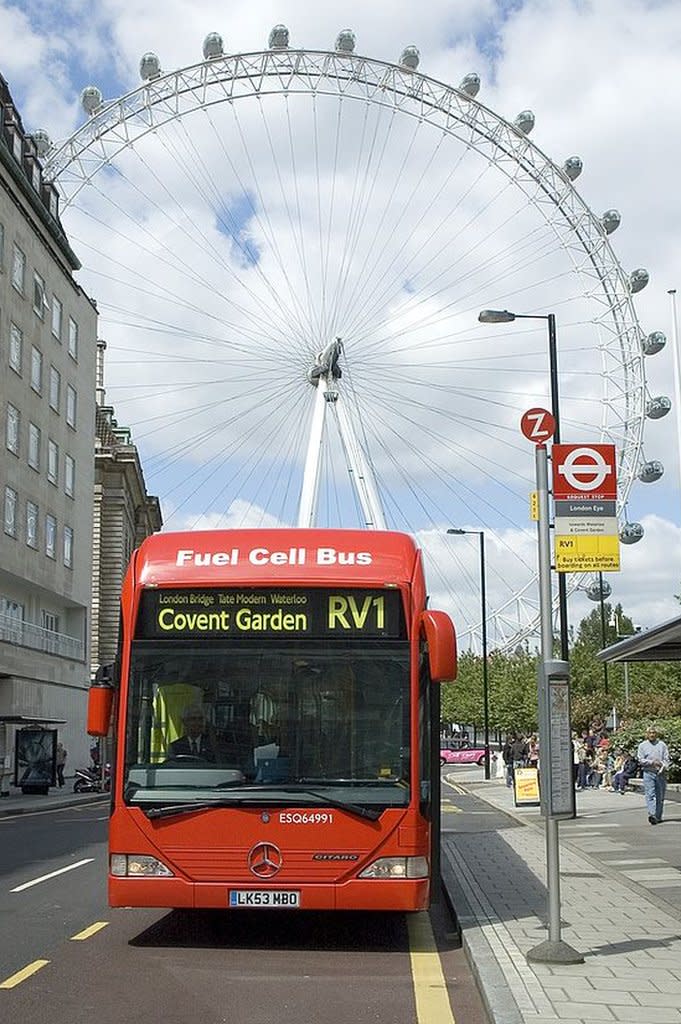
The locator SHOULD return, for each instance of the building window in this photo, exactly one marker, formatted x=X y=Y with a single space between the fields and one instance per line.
x=18 y=269
x=13 y=615
x=36 y=369
x=73 y=339
x=69 y=475
x=33 y=446
x=57 y=314
x=52 y=461
x=55 y=388
x=12 y=426
x=17 y=145
x=49 y=621
x=68 y=547
x=50 y=536
x=71 y=402
x=10 y=511
x=31 y=524
x=40 y=303
x=35 y=176
x=16 y=345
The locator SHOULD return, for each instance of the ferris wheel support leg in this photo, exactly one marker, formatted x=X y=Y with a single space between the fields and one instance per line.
x=307 y=508
x=359 y=467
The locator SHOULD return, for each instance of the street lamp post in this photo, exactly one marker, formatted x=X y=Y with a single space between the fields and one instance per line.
x=503 y=316
x=483 y=627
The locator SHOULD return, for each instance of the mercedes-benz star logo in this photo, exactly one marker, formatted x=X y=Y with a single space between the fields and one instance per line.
x=264 y=860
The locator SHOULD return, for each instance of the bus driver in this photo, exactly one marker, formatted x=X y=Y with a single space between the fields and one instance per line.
x=195 y=742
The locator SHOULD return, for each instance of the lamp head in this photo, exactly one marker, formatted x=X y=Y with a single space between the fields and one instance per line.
x=495 y=316
x=453 y=530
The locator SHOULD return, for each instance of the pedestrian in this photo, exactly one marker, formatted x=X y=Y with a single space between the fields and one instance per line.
x=61 y=761
x=580 y=753
x=626 y=768
x=653 y=756
x=507 y=757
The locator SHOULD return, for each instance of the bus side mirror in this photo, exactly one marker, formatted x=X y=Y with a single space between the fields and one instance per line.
x=100 y=701
x=441 y=639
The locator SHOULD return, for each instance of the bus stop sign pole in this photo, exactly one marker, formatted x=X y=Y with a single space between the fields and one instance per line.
x=555 y=747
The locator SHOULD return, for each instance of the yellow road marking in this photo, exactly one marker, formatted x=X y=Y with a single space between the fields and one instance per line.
x=430 y=989
x=91 y=930
x=23 y=974
x=451 y=810
x=457 y=789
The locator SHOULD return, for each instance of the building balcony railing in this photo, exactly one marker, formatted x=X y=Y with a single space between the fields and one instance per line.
x=26 y=634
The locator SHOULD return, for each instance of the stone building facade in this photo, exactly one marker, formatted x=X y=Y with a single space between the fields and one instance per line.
x=48 y=332
x=124 y=514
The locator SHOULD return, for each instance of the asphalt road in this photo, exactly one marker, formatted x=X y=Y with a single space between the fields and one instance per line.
x=66 y=956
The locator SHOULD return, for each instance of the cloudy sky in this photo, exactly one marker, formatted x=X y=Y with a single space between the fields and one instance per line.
x=231 y=244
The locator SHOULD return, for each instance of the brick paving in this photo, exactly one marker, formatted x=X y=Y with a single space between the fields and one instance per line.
x=628 y=933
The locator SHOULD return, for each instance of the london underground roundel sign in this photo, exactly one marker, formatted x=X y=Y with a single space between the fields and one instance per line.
x=538 y=425
x=584 y=471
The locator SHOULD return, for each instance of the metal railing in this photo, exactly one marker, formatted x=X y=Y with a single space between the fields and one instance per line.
x=27 y=634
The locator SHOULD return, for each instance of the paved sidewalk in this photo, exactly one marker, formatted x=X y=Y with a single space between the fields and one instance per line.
x=21 y=803
x=630 y=936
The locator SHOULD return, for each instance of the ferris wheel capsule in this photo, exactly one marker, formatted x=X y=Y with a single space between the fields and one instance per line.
x=631 y=533
x=43 y=142
x=658 y=407
x=654 y=343
x=90 y=99
x=213 y=46
x=611 y=220
x=524 y=122
x=345 y=41
x=470 y=84
x=650 y=471
x=150 y=66
x=598 y=590
x=638 y=279
x=410 y=57
x=278 y=38
x=573 y=167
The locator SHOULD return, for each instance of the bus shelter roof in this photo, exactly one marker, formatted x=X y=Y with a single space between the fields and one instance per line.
x=660 y=643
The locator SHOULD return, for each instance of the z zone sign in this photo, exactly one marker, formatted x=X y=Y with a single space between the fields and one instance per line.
x=584 y=471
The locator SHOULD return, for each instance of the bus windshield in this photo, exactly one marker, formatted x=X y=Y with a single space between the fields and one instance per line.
x=267 y=723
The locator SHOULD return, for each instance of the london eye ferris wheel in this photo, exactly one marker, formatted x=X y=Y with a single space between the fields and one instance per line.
x=290 y=250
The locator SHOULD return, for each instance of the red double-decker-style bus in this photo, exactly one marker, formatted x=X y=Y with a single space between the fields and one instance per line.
x=272 y=722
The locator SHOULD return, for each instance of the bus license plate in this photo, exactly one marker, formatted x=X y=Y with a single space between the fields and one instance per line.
x=264 y=898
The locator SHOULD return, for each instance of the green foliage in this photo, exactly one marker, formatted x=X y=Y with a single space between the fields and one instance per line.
x=669 y=729
x=637 y=691
x=588 y=708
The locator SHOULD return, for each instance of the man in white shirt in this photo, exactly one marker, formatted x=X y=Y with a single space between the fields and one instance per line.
x=653 y=756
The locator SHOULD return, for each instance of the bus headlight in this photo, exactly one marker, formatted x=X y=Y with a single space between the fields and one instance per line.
x=397 y=867
x=137 y=865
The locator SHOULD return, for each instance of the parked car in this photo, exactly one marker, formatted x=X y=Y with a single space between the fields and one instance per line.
x=461 y=752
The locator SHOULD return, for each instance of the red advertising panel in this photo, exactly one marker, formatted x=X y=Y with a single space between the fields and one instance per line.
x=584 y=471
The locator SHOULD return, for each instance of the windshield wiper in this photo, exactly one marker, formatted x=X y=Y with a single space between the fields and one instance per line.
x=242 y=796
x=194 y=805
